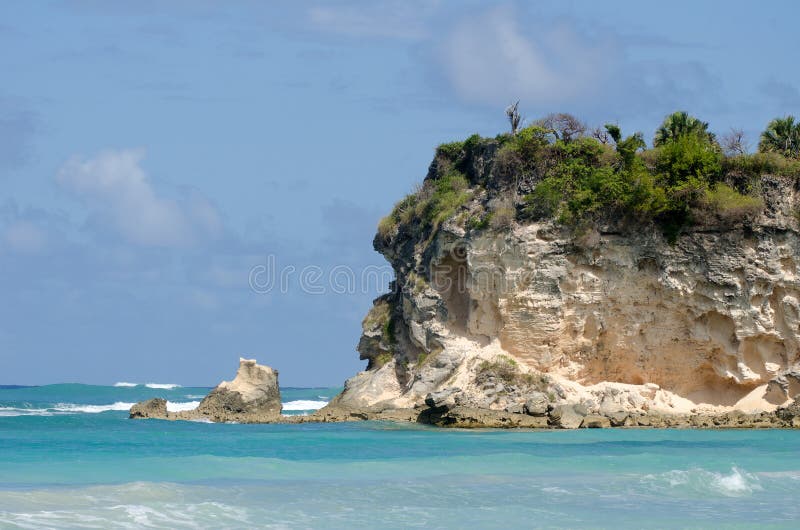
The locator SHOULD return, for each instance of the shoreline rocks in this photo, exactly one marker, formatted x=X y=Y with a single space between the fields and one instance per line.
x=253 y=396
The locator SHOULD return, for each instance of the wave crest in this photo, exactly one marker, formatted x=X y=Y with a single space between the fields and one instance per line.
x=162 y=386
x=700 y=481
x=182 y=406
x=304 y=404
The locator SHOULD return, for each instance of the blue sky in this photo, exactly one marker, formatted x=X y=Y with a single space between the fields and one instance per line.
x=154 y=154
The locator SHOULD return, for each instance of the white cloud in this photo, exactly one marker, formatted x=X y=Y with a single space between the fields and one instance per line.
x=490 y=59
x=118 y=191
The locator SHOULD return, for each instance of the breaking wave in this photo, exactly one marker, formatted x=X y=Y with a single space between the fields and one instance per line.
x=734 y=484
x=64 y=408
x=304 y=404
x=180 y=407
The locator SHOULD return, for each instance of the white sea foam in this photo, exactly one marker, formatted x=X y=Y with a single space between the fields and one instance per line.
x=304 y=404
x=92 y=409
x=733 y=484
x=163 y=386
x=63 y=408
x=125 y=384
x=8 y=412
x=182 y=406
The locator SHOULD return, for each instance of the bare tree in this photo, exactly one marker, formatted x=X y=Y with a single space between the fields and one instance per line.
x=564 y=126
x=735 y=143
x=512 y=112
x=601 y=135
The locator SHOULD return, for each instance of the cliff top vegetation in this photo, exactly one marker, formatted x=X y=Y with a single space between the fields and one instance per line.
x=557 y=168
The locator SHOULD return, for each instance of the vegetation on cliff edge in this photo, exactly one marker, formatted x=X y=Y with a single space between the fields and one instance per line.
x=556 y=168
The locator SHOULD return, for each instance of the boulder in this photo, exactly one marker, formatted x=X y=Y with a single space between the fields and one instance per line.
x=595 y=421
x=537 y=404
x=565 y=417
x=789 y=411
x=152 y=408
x=442 y=398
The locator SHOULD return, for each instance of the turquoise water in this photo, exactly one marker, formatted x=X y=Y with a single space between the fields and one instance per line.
x=69 y=460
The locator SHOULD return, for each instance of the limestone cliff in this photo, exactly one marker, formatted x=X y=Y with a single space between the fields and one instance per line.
x=613 y=316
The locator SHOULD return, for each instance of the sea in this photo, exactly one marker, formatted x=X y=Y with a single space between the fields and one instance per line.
x=71 y=458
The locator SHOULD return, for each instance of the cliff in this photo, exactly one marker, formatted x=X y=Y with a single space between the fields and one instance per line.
x=494 y=306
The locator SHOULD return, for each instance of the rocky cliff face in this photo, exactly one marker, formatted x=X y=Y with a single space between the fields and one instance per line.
x=611 y=318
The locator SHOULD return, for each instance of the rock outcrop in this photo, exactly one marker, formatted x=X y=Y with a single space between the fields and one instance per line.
x=252 y=397
x=608 y=326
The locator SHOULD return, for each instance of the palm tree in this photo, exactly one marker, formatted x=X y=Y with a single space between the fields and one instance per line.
x=679 y=124
x=782 y=136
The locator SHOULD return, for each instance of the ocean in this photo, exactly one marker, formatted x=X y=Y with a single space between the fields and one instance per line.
x=70 y=458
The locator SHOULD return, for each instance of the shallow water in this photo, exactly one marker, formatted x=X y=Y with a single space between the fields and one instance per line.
x=70 y=458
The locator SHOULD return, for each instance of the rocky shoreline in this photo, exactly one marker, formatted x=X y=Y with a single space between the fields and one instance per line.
x=254 y=397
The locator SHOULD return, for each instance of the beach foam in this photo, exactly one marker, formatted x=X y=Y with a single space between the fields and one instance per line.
x=163 y=386
x=125 y=384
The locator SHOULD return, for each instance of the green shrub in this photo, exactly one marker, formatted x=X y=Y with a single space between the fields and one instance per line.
x=388 y=331
x=502 y=367
x=378 y=316
x=688 y=157
x=452 y=151
x=729 y=204
x=443 y=197
x=759 y=164
x=479 y=222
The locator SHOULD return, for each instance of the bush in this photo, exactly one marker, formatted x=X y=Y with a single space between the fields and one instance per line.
x=759 y=164
x=730 y=205
x=688 y=157
x=502 y=367
x=441 y=198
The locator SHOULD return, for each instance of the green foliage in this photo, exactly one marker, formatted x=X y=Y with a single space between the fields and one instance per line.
x=381 y=359
x=729 y=204
x=388 y=332
x=688 y=157
x=378 y=316
x=758 y=164
x=445 y=196
x=579 y=180
x=452 y=151
x=502 y=367
x=680 y=124
x=479 y=222
x=781 y=136
x=402 y=213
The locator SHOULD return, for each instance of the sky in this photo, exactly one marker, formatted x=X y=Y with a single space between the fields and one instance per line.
x=186 y=182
